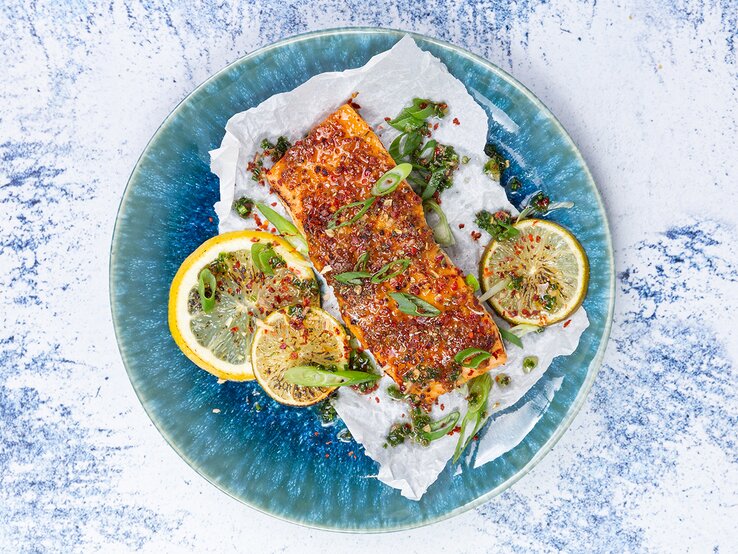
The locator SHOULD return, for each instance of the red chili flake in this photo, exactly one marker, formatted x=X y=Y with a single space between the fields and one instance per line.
x=316 y=433
x=476 y=235
x=293 y=355
x=455 y=430
x=377 y=399
x=388 y=119
x=283 y=346
x=567 y=323
x=274 y=204
x=234 y=329
x=237 y=264
x=257 y=219
x=461 y=225
x=456 y=121
x=435 y=126
x=530 y=237
x=351 y=453
x=443 y=407
x=476 y=437
x=327 y=455
x=329 y=442
x=210 y=219
x=538 y=238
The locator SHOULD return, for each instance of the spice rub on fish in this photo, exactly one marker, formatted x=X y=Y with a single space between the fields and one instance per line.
x=336 y=165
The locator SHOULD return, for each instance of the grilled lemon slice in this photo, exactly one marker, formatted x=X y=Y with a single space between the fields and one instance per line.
x=539 y=277
x=297 y=336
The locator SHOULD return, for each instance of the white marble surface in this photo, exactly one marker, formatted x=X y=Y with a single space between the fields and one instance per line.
x=648 y=92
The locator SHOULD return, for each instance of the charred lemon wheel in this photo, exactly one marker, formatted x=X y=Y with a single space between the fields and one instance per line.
x=540 y=277
x=296 y=337
x=219 y=340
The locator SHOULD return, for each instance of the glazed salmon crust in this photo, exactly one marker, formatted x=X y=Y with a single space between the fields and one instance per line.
x=335 y=165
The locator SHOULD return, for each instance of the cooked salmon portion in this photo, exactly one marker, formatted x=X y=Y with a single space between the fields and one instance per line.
x=336 y=165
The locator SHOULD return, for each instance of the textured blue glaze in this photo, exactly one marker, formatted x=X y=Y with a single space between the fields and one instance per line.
x=273 y=459
x=648 y=91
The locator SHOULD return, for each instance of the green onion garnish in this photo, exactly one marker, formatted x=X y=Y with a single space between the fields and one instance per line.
x=285 y=228
x=511 y=337
x=412 y=305
x=206 y=279
x=352 y=277
x=390 y=270
x=494 y=289
x=263 y=257
x=388 y=182
x=442 y=230
x=476 y=414
x=440 y=428
x=361 y=262
x=244 y=206
x=405 y=144
x=472 y=357
x=363 y=206
x=433 y=183
x=426 y=153
x=312 y=376
x=472 y=282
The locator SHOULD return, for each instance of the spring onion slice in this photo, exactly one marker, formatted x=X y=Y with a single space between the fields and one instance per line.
x=472 y=357
x=285 y=228
x=475 y=417
x=387 y=273
x=511 y=337
x=412 y=305
x=312 y=376
x=206 y=278
x=440 y=428
x=352 y=277
x=261 y=255
x=363 y=206
x=472 y=282
x=426 y=153
x=388 y=182
x=442 y=230
x=523 y=329
x=361 y=262
x=432 y=186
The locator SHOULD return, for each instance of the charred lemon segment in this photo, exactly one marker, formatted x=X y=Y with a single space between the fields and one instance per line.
x=539 y=277
x=252 y=274
x=293 y=337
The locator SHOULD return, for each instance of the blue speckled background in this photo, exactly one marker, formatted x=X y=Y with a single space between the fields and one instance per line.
x=650 y=95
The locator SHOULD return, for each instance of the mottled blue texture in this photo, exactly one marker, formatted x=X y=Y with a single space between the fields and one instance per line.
x=648 y=90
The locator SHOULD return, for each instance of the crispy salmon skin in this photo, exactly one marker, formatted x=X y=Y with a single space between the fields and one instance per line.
x=336 y=165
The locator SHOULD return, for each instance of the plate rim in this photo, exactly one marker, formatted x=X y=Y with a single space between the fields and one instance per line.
x=594 y=365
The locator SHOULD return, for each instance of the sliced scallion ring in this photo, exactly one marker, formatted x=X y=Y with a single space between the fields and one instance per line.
x=262 y=256
x=206 y=279
x=413 y=305
x=472 y=357
x=352 y=277
x=388 y=182
x=363 y=206
x=390 y=270
x=442 y=230
x=285 y=227
x=426 y=153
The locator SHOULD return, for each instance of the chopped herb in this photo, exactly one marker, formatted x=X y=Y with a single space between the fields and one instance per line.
x=498 y=225
x=244 y=206
x=514 y=184
x=265 y=258
x=360 y=361
x=327 y=412
x=276 y=151
x=344 y=435
x=503 y=379
x=539 y=204
x=496 y=163
x=422 y=429
x=529 y=363
x=465 y=160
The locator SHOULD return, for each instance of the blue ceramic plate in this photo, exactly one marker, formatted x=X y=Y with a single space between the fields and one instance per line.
x=281 y=460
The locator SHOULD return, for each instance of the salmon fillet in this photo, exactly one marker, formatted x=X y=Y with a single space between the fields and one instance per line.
x=337 y=164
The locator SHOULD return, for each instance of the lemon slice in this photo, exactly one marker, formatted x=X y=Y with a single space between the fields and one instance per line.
x=293 y=337
x=540 y=277
x=219 y=340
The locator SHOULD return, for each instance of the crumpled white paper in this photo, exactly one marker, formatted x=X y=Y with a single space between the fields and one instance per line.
x=386 y=84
